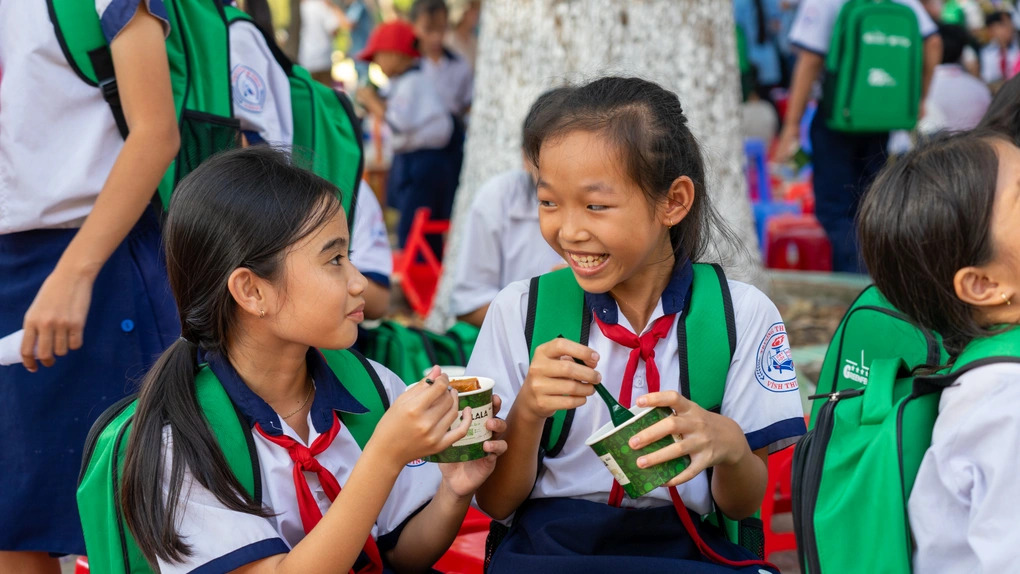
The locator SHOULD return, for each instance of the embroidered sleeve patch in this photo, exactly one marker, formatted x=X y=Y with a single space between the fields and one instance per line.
x=249 y=89
x=774 y=362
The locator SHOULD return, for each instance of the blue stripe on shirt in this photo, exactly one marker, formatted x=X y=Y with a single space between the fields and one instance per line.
x=244 y=555
x=789 y=428
x=120 y=12
x=377 y=278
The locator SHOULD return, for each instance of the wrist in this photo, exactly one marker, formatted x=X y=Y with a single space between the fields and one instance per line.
x=449 y=498
x=384 y=462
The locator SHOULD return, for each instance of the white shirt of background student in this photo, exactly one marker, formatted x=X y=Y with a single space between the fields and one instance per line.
x=319 y=24
x=502 y=243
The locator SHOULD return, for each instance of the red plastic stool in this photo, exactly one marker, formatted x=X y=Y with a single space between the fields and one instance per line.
x=416 y=267
x=778 y=501
x=804 y=192
x=81 y=565
x=467 y=553
x=797 y=242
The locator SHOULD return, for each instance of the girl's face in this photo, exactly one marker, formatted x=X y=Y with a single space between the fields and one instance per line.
x=1005 y=224
x=430 y=30
x=595 y=216
x=317 y=301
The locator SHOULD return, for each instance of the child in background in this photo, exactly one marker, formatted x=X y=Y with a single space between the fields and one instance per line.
x=81 y=263
x=956 y=99
x=960 y=193
x=421 y=125
x=451 y=75
x=1002 y=52
x=621 y=192
x=502 y=241
x=262 y=284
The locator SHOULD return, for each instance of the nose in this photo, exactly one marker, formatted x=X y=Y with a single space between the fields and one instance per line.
x=356 y=285
x=573 y=228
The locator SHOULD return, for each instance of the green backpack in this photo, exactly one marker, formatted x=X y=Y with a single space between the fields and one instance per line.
x=410 y=351
x=110 y=546
x=197 y=50
x=873 y=69
x=327 y=133
x=854 y=470
x=873 y=329
x=556 y=307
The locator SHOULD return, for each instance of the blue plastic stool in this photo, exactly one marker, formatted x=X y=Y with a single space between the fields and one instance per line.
x=758 y=185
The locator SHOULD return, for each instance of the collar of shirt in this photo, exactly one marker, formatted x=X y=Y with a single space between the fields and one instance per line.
x=330 y=394
x=673 y=298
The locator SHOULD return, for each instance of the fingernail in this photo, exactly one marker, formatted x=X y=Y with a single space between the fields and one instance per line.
x=641 y=462
x=634 y=442
x=594 y=356
x=642 y=402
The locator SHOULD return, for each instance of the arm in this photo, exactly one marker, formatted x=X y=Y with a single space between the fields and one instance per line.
x=552 y=384
x=56 y=319
x=377 y=300
x=805 y=73
x=932 y=58
x=475 y=317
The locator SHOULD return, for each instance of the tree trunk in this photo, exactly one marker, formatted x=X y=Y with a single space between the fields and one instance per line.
x=529 y=46
x=290 y=48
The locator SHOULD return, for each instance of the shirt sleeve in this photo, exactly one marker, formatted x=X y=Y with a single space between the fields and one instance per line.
x=812 y=27
x=477 y=276
x=501 y=350
x=762 y=394
x=927 y=26
x=370 y=243
x=258 y=86
x=220 y=539
x=114 y=15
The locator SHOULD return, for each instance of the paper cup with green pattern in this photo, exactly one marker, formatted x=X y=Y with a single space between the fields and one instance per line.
x=470 y=447
x=610 y=444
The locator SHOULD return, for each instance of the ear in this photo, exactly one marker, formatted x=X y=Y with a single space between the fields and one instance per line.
x=249 y=291
x=979 y=287
x=678 y=202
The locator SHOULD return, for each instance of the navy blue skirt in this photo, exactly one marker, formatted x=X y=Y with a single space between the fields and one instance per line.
x=569 y=536
x=46 y=415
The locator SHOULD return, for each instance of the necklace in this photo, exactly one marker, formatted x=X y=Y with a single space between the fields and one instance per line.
x=303 y=403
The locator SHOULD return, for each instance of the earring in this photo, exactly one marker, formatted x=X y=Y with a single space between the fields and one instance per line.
x=1007 y=300
x=262 y=313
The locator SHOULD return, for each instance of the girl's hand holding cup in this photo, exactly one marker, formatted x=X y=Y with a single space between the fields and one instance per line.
x=555 y=382
x=464 y=478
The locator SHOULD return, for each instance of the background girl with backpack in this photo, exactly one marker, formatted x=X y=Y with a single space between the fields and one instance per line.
x=260 y=284
x=621 y=190
x=80 y=256
x=960 y=195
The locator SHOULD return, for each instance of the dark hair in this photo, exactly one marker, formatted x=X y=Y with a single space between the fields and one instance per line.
x=925 y=217
x=646 y=123
x=546 y=102
x=1003 y=114
x=954 y=40
x=261 y=14
x=996 y=17
x=242 y=208
x=428 y=8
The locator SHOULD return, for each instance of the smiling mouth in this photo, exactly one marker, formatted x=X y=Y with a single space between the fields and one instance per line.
x=588 y=261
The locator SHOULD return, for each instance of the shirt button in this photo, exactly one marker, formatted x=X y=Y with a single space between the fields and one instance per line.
x=639 y=382
x=127 y=325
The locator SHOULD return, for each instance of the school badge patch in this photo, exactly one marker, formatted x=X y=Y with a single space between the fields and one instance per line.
x=249 y=89
x=416 y=462
x=774 y=362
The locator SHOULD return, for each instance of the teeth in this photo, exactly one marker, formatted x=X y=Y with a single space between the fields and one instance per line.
x=588 y=260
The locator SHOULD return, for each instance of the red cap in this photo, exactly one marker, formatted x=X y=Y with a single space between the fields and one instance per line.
x=393 y=36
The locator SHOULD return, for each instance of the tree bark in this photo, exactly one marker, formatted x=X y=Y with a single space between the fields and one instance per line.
x=529 y=46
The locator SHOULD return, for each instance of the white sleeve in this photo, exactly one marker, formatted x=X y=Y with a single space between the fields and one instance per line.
x=220 y=539
x=258 y=86
x=501 y=351
x=924 y=21
x=476 y=280
x=370 y=243
x=762 y=395
x=812 y=27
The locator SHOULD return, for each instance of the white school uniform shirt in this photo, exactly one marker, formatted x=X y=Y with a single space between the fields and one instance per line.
x=318 y=27
x=453 y=78
x=58 y=138
x=222 y=540
x=502 y=242
x=964 y=504
x=261 y=93
x=764 y=402
x=812 y=28
x=415 y=113
x=991 y=61
x=956 y=100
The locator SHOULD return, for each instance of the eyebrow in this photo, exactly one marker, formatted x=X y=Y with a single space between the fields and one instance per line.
x=334 y=244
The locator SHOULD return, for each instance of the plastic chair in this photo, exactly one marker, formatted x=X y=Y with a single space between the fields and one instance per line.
x=766 y=210
x=81 y=565
x=797 y=242
x=778 y=500
x=417 y=267
x=758 y=182
x=467 y=553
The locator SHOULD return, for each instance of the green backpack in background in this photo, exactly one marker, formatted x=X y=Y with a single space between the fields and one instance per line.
x=410 y=352
x=854 y=470
x=327 y=133
x=110 y=547
x=873 y=329
x=197 y=51
x=873 y=69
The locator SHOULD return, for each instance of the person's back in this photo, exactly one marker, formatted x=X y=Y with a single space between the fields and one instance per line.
x=956 y=99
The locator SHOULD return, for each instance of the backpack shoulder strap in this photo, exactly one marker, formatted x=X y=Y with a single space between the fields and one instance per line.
x=360 y=379
x=231 y=431
x=556 y=308
x=708 y=334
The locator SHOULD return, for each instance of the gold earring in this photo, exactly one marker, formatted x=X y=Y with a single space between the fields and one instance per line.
x=1006 y=299
x=262 y=313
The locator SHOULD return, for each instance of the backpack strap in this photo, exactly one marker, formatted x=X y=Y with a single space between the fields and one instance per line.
x=708 y=333
x=556 y=308
x=231 y=431
x=360 y=379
